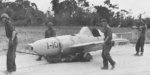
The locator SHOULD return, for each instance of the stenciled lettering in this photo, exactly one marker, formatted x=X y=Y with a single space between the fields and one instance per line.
x=52 y=45
x=56 y=45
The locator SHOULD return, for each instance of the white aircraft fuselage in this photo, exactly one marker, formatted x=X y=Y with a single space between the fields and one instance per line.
x=83 y=42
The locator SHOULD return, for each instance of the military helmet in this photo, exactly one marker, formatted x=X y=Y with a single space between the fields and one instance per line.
x=4 y=15
x=50 y=24
x=103 y=20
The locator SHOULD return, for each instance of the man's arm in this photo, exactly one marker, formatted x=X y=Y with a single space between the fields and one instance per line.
x=53 y=33
x=46 y=34
x=109 y=35
x=143 y=30
x=13 y=35
x=106 y=39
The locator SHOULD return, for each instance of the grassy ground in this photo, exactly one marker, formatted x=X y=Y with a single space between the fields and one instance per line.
x=30 y=34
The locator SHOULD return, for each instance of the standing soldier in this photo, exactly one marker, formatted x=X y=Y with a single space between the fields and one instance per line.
x=141 y=39
x=13 y=41
x=107 y=45
x=50 y=32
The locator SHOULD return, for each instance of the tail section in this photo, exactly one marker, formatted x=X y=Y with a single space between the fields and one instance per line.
x=85 y=31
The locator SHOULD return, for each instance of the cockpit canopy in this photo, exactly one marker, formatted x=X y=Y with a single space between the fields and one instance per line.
x=91 y=32
x=95 y=32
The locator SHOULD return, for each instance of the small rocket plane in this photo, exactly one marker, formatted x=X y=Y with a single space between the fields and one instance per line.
x=79 y=45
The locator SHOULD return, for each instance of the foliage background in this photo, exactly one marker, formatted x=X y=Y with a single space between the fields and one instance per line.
x=69 y=13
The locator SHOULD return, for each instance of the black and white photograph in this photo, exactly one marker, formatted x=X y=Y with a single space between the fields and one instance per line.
x=74 y=37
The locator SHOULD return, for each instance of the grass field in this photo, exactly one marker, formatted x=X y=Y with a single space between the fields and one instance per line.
x=30 y=34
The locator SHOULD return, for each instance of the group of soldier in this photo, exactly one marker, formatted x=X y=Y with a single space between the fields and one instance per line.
x=50 y=32
x=108 y=43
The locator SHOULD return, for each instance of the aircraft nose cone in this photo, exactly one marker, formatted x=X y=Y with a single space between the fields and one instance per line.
x=29 y=47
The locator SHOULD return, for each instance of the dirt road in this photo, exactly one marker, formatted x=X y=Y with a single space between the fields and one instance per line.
x=127 y=64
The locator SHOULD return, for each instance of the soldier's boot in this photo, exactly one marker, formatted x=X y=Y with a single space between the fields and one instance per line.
x=142 y=50
x=39 y=58
x=14 y=67
x=105 y=63
x=141 y=54
x=137 y=54
x=104 y=68
x=7 y=72
x=14 y=70
x=113 y=65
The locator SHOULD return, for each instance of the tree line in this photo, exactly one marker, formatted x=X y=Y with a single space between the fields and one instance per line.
x=69 y=12
x=23 y=12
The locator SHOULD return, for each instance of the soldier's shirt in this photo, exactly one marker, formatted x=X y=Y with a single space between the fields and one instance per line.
x=108 y=33
x=143 y=31
x=9 y=29
x=50 y=33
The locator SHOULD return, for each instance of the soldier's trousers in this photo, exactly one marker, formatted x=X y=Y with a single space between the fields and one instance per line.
x=140 y=44
x=106 y=56
x=11 y=55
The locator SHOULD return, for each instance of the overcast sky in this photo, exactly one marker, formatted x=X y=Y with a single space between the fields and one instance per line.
x=137 y=6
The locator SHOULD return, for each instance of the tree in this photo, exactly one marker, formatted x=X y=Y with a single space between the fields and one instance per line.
x=55 y=6
x=34 y=6
x=68 y=6
x=20 y=1
x=1 y=1
x=128 y=22
x=64 y=11
x=107 y=2
x=147 y=21
x=26 y=4
x=104 y=12
x=22 y=13
x=83 y=3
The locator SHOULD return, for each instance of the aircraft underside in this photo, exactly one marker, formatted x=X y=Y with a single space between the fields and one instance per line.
x=78 y=57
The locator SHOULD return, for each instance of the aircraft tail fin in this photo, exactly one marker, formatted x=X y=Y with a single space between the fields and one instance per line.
x=85 y=31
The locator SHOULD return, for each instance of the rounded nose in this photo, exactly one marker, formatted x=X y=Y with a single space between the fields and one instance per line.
x=29 y=47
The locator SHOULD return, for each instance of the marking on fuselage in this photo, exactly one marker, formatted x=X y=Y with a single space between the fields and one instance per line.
x=52 y=45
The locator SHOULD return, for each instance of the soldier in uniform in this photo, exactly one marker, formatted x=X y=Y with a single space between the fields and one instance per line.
x=141 y=39
x=107 y=45
x=50 y=32
x=13 y=41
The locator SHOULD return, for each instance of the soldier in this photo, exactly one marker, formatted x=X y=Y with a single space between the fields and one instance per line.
x=13 y=41
x=50 y=32
x=141 y=39
x=107 y=45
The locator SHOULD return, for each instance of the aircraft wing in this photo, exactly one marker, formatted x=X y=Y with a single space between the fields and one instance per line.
x=87 y=44
x=121 y=41
x=88 y=47
x=94 y=46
